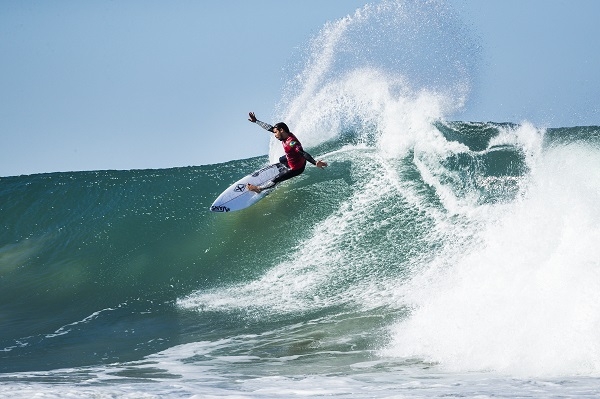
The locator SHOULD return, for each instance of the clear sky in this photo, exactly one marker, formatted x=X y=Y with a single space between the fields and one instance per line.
x=88 y=85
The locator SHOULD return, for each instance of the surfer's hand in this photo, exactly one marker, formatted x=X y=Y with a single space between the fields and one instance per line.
x=252 y=117
x=321 y=164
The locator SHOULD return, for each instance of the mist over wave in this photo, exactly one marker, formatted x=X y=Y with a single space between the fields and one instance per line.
x=365 y=73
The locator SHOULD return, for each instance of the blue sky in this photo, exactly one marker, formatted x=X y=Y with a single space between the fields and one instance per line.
x=155 y=84
x=540 y=61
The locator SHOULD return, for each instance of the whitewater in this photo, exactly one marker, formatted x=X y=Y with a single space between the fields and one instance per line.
x=432 y=258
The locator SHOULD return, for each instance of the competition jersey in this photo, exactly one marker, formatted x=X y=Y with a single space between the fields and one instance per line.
x=294 y=153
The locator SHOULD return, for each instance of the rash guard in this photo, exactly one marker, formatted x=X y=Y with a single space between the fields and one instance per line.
x=295 y=155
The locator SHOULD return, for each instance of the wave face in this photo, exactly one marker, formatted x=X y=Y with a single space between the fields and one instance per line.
x=474 y=250
x=432 y=257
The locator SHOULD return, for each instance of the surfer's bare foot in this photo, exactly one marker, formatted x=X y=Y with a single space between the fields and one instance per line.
x=253 y=188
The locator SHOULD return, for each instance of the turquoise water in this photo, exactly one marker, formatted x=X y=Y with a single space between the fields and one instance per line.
x=457 y=272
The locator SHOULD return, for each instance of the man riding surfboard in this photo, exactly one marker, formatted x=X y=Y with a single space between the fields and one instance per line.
x=294 y=159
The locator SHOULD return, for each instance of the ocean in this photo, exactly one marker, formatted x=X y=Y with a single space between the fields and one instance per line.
x=469 y=269
x=433 y=257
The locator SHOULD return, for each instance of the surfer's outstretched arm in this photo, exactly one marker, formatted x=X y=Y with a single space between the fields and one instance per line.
x=264 y=125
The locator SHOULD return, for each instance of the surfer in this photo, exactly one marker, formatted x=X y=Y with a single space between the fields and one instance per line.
x=294 y=159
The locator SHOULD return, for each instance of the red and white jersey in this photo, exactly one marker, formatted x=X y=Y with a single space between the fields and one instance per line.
x=294 y=152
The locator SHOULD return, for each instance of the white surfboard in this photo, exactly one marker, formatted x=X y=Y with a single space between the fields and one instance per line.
x=237 y=196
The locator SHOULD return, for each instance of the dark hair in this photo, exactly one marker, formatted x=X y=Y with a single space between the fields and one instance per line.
x=282 y=126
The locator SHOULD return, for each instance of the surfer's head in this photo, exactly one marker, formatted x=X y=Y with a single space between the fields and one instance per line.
x=281 y=131
x=282 y=126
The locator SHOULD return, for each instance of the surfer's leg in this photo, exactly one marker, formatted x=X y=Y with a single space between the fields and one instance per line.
x=287 y=175
x=279 y=178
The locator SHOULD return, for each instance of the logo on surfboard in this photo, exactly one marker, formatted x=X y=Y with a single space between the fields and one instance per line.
x=219 y=209
x=240 y=188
